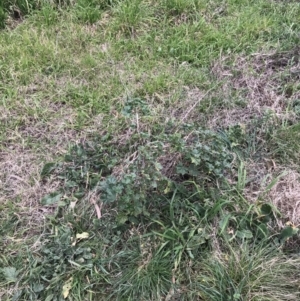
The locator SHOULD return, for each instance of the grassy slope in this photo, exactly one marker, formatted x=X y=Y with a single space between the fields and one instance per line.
x=214 y=64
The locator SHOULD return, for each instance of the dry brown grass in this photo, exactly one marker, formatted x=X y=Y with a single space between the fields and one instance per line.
x=285 y=195
x=186 y=110
x=20 y=181
x=25 y=151
x=258 y=82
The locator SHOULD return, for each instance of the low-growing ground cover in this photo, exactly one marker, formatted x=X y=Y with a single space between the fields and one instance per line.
x=149 y=150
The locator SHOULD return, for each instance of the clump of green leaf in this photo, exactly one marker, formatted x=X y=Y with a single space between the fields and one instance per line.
x=133 y=181
x=10 y=274
x=61 y=258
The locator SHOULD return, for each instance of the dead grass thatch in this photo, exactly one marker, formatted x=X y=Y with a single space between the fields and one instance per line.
x=25 y=150
x=258 y=83
x=285 y=195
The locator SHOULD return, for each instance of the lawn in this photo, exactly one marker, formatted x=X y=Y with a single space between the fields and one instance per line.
x=149 y=150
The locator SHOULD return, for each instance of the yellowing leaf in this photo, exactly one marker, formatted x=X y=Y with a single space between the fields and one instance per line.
x=72 y=204
x=82 y=235
x=67 y=287
x=194 y=160
x=167 y=190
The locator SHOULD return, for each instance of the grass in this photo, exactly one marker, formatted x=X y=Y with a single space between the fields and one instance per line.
x=247 y=275
x=149 y=150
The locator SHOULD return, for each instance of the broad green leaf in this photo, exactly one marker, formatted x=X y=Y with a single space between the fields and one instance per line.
x=195 y=161
x=62 y=203
x=244 y=234
x=288 y=232
x=51 y=198
x=122 y=218
x=266 y=209
x=48 y=168
x=180 y=169
x=158 y=166
x=49 y=297
x=79 y=195
x=17 y=295
x=10 y=274
x=38 y=287
x=133 y=220
x=262 y=231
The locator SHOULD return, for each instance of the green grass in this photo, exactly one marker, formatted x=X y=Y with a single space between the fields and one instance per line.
x=144 y=146
x=247 y=273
